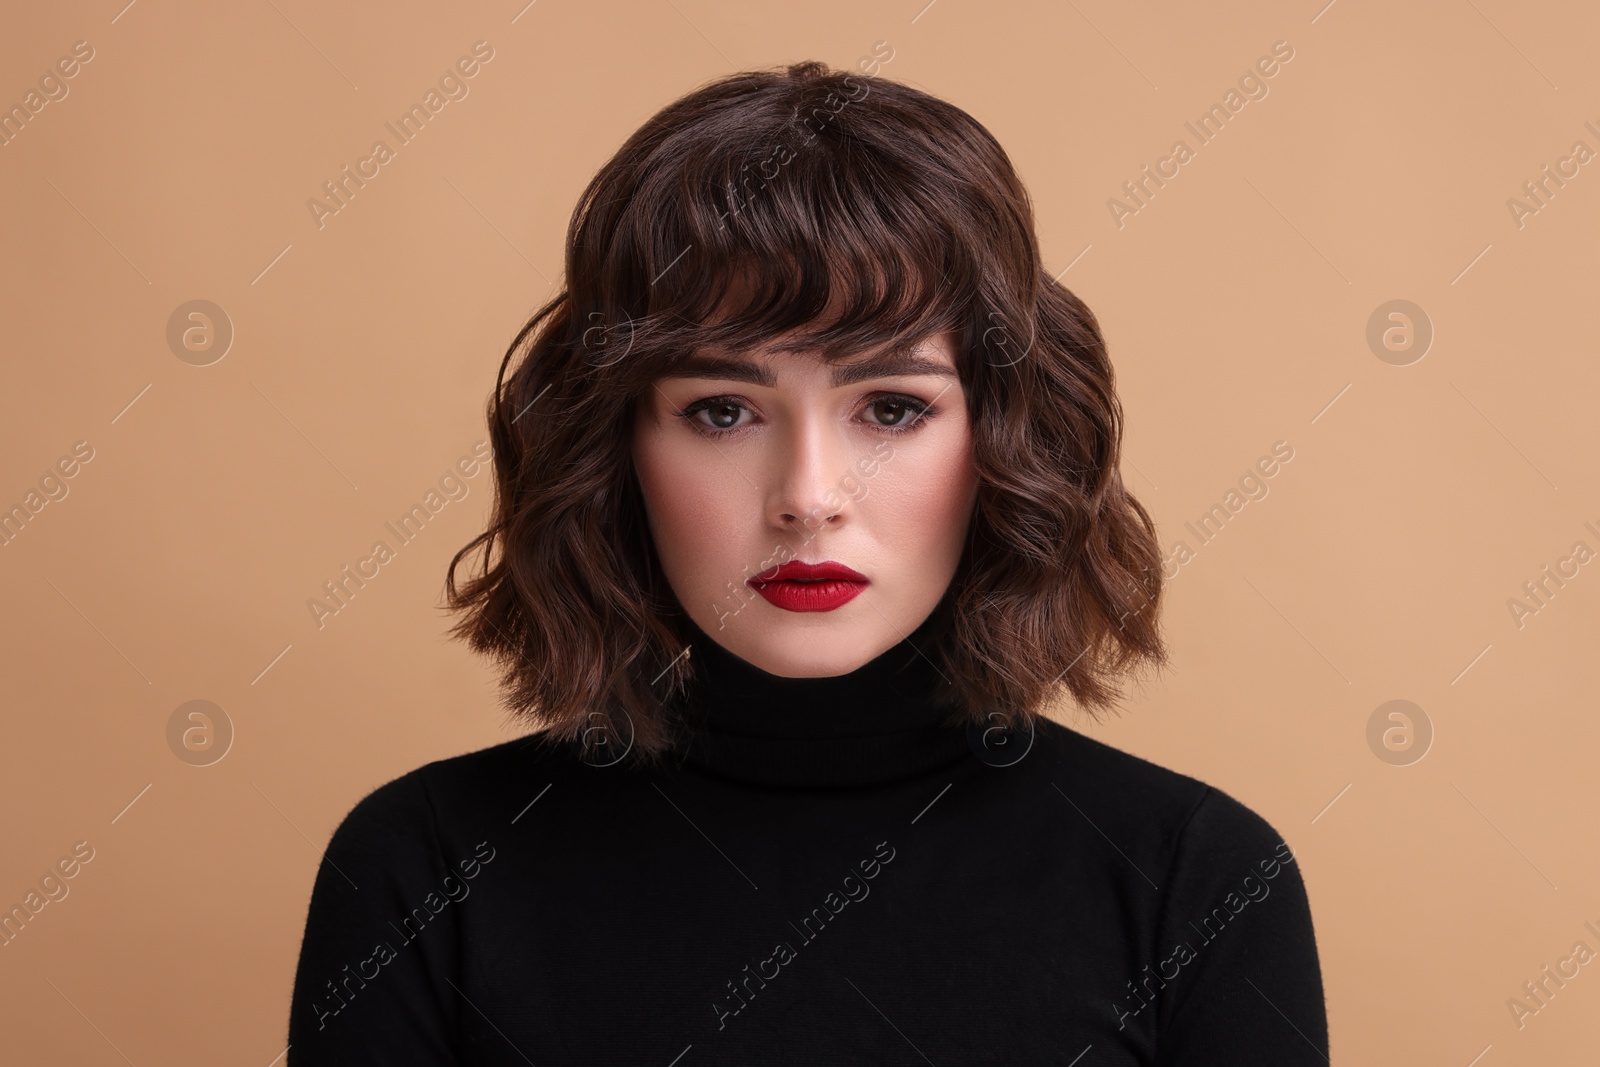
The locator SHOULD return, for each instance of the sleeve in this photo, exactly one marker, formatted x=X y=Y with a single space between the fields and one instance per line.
x=1236 y=948
x=378 y=957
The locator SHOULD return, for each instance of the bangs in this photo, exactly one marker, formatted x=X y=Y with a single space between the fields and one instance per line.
x=773 y=230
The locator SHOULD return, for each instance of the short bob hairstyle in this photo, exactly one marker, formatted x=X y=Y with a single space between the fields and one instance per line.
x=836 y=213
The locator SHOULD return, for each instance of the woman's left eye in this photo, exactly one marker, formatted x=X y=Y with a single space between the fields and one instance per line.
x=912 y=409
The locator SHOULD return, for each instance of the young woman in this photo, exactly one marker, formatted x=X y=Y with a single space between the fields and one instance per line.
x=807 y=508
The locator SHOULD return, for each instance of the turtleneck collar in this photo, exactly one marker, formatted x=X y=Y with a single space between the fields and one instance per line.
x=884 y=721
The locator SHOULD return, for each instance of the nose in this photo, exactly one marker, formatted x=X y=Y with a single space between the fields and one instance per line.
x=808 y=474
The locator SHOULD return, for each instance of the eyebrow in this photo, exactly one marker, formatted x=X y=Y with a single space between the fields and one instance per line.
x=887 y=365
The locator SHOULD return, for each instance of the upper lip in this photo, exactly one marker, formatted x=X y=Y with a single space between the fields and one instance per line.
x=798 y=570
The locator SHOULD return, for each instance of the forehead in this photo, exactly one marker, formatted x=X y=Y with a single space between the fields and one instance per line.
x=930 y=356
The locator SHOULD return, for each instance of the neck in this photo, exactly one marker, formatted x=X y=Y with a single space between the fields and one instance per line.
x=885 y=721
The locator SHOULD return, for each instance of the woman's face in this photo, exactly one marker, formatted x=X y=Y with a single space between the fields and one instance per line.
x=749 y=462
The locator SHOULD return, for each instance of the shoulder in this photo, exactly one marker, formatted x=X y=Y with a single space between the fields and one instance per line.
x=1205 y=844
x=1084 y=768
x=1142 y=798
x=428 y=800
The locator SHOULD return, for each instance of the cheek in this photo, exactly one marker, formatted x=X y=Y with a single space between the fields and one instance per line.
x=949 y=486
x=922 y=510
x=688 y=502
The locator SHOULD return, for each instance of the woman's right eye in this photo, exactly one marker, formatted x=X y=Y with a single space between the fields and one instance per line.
x=723 y=415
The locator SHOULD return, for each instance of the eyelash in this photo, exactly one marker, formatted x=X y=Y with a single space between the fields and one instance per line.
x=921 y=413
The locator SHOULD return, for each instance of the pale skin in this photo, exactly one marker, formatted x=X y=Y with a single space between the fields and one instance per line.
x=740 y=475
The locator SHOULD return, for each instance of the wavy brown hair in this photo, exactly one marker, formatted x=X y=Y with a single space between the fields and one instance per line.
x=818 y=210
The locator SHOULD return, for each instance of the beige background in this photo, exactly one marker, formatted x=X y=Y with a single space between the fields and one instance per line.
x=220 y=498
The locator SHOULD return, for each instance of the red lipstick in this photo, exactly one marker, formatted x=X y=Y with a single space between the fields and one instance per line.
x=799 y=586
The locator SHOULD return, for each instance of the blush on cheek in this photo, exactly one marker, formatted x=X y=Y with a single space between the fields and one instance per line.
x=694 y=512
x=925 y=510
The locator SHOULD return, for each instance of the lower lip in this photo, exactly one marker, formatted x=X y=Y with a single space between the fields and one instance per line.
x=810 y=596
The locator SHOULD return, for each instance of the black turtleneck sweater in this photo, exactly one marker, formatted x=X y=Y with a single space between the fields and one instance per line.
x=825 y=874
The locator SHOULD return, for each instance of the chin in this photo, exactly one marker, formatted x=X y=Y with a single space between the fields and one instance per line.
x=820 y=648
